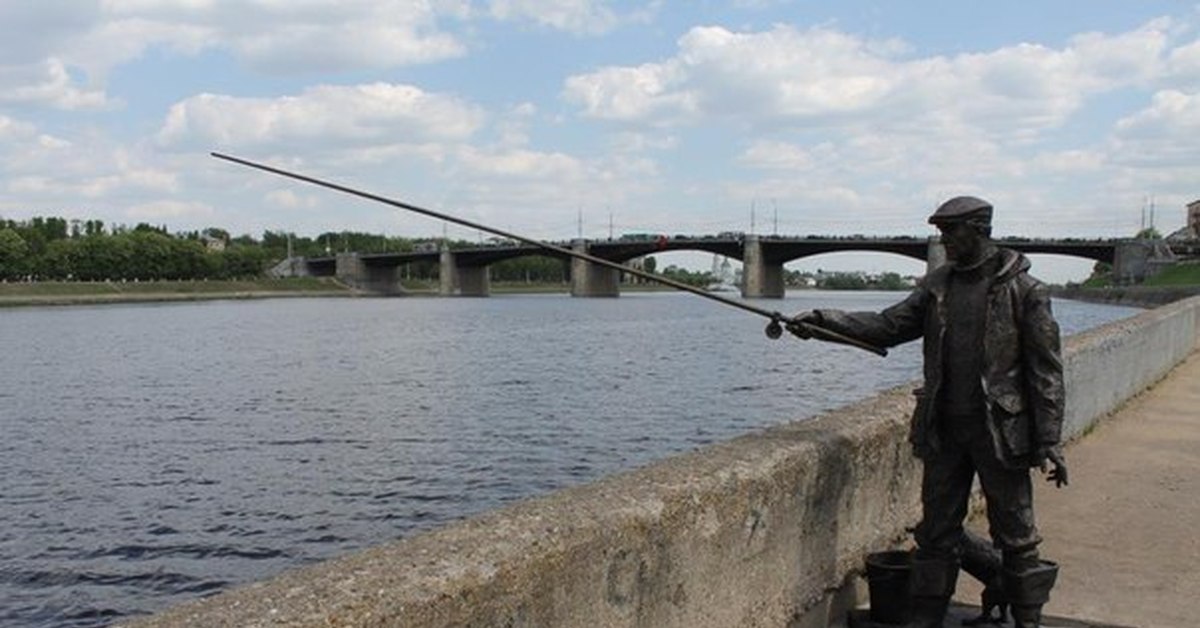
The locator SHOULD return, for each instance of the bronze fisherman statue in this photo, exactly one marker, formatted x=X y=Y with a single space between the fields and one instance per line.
x=991 y=406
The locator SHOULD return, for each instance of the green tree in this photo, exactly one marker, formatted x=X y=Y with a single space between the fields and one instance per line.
x=241 y=260
x=14 y=254
x=890 y=281
x=1149 y=233
x=57 y=262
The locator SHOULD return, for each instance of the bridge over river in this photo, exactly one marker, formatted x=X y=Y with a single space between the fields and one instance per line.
x=465 y=271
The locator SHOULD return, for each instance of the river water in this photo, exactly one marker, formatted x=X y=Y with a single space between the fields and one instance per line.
x=157 y=453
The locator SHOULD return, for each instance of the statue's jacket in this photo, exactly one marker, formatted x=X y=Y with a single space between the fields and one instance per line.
x=1022 y=374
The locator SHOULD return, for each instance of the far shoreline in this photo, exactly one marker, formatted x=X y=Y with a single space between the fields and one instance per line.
x=68 y=293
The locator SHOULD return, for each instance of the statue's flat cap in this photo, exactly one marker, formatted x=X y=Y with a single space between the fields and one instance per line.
x=962 y=209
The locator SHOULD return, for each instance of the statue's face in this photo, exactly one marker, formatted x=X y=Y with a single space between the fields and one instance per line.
x=963 y=242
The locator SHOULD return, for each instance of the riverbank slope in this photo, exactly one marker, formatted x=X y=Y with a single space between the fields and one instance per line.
x=1137 y=296
x=87 y=293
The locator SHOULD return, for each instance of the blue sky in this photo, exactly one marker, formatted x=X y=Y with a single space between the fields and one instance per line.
x=665 y=117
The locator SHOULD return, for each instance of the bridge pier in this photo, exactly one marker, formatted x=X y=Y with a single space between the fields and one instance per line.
x=294 y=266
x=1136 y=259
x=761 y=279
x=592 y=280
x=465 y=281
x=351 y=270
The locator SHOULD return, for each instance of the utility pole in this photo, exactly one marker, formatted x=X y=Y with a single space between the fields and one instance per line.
x=752 y=216
x=579 y=223
x=610 y=226
x=775 y=228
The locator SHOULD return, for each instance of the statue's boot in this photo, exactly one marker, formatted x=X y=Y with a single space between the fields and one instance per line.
x=982 y=561
x=1028 y=590
x=931 y=586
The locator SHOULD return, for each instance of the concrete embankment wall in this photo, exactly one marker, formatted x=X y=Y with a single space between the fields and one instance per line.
x=769 y=529
x=1138 y=296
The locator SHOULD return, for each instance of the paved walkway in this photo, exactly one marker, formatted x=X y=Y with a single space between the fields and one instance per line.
x=1126 y=529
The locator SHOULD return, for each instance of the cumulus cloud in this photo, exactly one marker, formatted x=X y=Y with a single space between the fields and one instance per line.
x=520 y=163
x=47 y=83
x=165 y=209
x=12 y=129
x=776 y=155
x=362 y=115
x=61 y=53
x=631 y=142
x=303 y=35
x=289 y=199
x=35 y=31
x=45 y=170
x=650 y=92
x=584 y=17
x=1151 y=137
x=1184 y=65
x=820 y=76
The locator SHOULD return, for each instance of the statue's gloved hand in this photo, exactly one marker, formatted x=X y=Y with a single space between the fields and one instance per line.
x=1054 y=465
x=799 y=323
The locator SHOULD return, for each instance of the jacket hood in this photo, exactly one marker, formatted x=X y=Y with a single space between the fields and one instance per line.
x=1012 y=263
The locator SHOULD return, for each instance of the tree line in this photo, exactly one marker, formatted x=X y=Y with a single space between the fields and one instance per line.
x=57 y=249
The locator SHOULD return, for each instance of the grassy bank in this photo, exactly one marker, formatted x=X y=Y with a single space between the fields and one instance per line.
x=1171 y=284
x=70 y=292
x=1185 y=274
x=1181 y=274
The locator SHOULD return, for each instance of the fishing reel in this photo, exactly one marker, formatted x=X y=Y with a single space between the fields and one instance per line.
x=774 y=328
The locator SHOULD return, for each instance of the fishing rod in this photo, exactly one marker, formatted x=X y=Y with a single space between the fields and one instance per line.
x=774 y=328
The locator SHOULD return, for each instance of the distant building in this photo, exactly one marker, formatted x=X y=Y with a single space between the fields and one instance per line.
x=722 y=270
x=212 y=244
x=1191 y=230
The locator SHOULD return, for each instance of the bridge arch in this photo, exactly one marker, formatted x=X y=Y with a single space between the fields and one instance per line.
x=871 y=262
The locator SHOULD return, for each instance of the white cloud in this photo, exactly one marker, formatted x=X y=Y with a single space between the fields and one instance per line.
x=581 y=17
x=521 y=163
x=1152 y=137
x=630 y=142
x=647 y=92
x=47 y=83
x=289 y=199
x=165 y=209
x=57 y=174
x=61 y=53
x=820 y=77
x=362 y=115
x=301 y=35
x=1184 y=65
x=775 y=155
x=35 y=31
x=1071 y=161
x=12 y=129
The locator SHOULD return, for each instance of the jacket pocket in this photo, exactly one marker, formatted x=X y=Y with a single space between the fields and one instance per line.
x=918 y=428
x=1012 y=424
x=1009 y=403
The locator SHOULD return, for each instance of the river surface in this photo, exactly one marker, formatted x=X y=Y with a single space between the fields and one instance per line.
x=157 y=453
